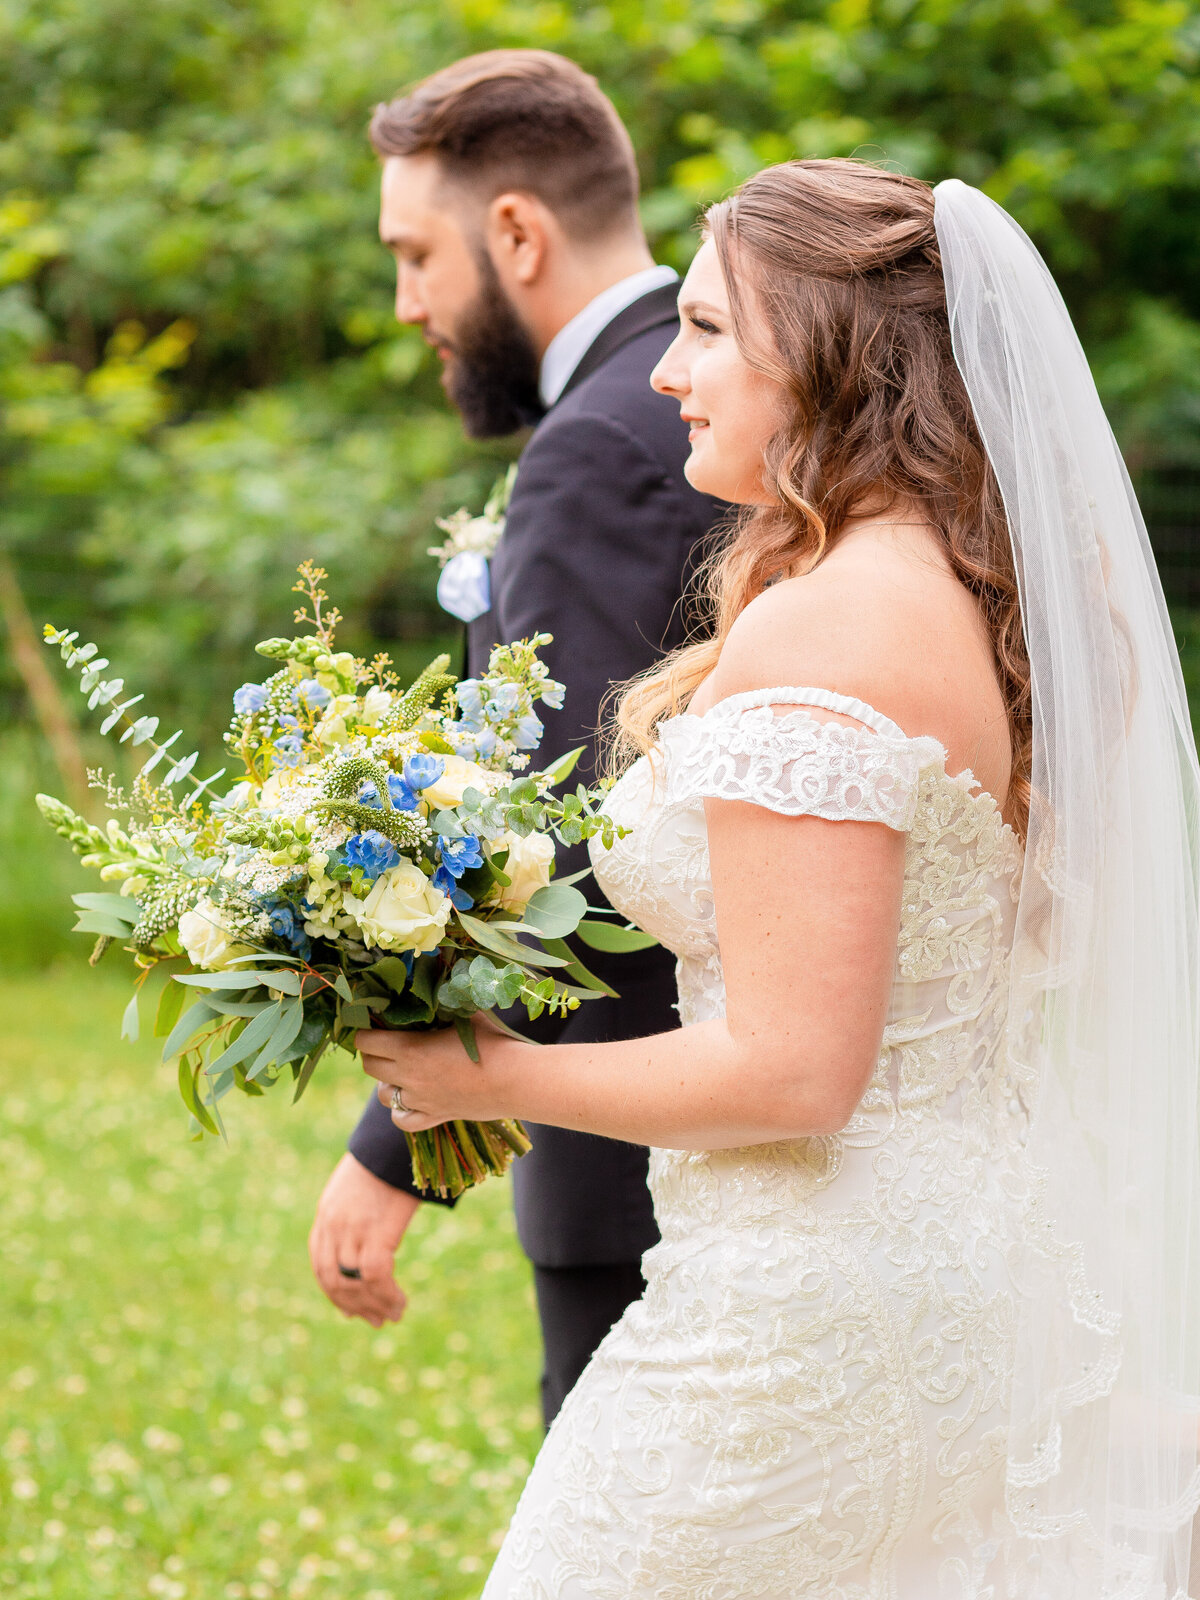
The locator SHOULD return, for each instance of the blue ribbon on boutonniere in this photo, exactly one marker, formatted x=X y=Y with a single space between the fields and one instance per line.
x=465 y=586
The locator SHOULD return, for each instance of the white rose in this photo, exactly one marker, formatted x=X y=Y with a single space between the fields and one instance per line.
x=459 y=776
x=376 y=704
x=528 y=866
x=207 y=940
x=403 y=911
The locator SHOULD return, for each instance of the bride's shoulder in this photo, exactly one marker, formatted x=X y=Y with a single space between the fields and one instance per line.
x=869 y=623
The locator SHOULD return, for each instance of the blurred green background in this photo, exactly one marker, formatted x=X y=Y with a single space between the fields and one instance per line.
x=201 y=383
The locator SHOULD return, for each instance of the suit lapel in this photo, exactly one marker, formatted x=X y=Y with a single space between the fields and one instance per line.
x=651 y=311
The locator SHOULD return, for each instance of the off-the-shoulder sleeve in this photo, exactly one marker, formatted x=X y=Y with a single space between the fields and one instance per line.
x=795 y=764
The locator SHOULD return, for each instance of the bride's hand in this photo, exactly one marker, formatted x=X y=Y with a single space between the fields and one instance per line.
x=436 y=1078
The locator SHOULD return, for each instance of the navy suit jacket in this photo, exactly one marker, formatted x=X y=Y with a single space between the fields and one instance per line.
x=602 y=536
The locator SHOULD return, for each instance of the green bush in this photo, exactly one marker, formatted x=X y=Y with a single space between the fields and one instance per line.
x=200 y=378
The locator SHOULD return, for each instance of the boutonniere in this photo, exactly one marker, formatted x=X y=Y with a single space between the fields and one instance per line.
x=478 y=536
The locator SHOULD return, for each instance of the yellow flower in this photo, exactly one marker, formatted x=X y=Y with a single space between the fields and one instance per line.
x=332 y=729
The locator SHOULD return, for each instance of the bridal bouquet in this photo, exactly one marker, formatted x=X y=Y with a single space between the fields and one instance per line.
x=383 y=860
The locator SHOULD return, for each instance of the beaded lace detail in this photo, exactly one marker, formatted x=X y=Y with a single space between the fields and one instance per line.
x=810 y=1400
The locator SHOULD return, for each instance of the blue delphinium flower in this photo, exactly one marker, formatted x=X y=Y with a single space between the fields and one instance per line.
x=289 y=747
x=422 y=771
x=470 y=701
x=504 y=701
x=459 y=898
x=529 y=732
x=372 y=852
x=459 y=854
x=251 y=697
x=403 y=797
x=552 y=694
x=286 y=925
x=314 y=695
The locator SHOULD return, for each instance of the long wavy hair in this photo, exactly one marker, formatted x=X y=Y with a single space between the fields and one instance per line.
x=836 y=289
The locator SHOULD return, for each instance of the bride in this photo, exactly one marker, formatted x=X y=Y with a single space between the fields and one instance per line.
x=920 y=822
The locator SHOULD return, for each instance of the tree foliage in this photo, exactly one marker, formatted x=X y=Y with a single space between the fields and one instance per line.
x=200 y=379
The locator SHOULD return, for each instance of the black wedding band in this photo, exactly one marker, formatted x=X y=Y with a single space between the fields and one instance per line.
x=349 y=1272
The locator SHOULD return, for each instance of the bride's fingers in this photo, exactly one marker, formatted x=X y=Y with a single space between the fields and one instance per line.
x=382 y=1068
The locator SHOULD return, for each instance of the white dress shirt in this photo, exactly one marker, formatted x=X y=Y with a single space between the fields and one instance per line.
x=572 y=342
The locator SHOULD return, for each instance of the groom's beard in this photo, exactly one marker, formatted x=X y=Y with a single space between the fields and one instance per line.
x=492 y=374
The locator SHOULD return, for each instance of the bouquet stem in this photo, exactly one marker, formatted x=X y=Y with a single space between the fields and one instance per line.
x=455 y=1156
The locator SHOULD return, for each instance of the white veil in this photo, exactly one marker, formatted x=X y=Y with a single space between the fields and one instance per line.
x=1105 y=1002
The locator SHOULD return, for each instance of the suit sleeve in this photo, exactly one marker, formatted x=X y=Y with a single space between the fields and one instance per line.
x=593 y=553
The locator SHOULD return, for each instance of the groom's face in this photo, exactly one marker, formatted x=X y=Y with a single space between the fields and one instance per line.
x=447 y=286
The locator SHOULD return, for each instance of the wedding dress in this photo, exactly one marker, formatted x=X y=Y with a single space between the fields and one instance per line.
x=810 y=1398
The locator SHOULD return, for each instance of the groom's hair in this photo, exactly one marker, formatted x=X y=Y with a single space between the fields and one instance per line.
x=527 y=120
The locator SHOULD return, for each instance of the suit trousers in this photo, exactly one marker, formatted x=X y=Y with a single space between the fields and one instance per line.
x=577 y=1306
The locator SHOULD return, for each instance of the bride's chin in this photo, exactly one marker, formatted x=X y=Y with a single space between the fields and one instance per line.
x=700 y=474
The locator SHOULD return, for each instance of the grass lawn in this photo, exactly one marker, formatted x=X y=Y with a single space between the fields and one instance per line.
x=181 y=1412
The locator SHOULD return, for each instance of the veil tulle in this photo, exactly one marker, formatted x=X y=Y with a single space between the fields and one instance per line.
x=1105 y=996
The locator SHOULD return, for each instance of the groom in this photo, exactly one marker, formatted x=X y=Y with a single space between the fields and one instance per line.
x=509 y=200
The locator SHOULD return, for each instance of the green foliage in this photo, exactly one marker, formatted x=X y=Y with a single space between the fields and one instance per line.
x=200 y=379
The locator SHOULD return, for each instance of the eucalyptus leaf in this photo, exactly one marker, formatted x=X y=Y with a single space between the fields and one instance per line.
x=574 y=968
x=286 y=1030
x=232 y=980
x=194 y=1017
x=170 y=1004
x=492 y=937
x=238 y=1008
x=251 y=1039
x=465 y=1029
x=604 y=936
x=130 y=1022
x=304 y=1078
x=114 y=905
x=97 y=922
x=391 y=971
x=555 y=910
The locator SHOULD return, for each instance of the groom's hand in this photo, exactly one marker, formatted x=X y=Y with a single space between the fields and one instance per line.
x=359 y=1224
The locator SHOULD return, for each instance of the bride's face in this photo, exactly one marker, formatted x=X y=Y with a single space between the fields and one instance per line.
x=731 y=408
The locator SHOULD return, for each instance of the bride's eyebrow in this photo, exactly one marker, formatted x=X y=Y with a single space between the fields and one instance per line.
x=696 y=308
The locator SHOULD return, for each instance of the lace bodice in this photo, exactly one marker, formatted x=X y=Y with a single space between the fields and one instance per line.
x=798 y=765
x=811 y=1397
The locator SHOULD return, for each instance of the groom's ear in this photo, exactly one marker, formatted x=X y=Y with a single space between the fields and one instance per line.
x=520 y=233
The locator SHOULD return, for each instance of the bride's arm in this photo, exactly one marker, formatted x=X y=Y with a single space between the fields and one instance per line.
x=807 y=917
